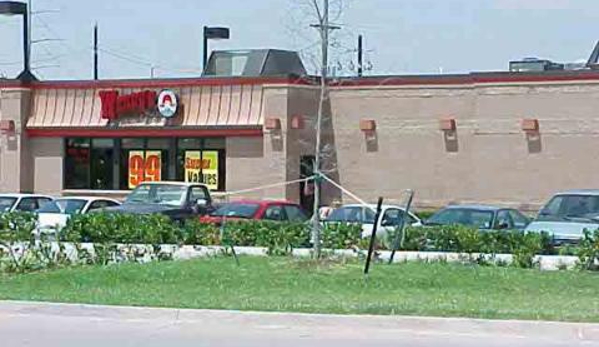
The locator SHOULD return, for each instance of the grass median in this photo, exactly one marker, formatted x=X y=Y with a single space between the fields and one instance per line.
x=291 y=285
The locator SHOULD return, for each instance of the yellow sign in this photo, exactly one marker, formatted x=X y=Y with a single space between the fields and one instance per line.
x=144 y=166
x=202 y=167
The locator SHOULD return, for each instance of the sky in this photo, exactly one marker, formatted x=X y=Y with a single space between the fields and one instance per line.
x=400 y=36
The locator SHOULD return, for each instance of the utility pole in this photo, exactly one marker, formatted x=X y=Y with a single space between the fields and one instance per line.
x=360 y=56
x=324 y=29
x=96 y=51
x=27 y=38
x=205 y=49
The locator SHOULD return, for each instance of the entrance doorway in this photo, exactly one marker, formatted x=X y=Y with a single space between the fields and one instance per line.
x=307 y=187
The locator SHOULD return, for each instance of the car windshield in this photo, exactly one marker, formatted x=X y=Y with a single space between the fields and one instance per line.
x=160 y=194
x=352 y=214
x=471 y=217
x=571 y=208
x=236 y=210
x=63 y=206
x=6 y=203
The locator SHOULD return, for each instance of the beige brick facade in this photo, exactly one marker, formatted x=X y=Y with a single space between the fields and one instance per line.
x=489 y=159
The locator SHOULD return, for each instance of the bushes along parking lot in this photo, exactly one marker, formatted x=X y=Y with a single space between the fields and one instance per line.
x=106 y=231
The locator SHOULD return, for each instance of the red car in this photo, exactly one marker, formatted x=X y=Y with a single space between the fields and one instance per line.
x=274 y=210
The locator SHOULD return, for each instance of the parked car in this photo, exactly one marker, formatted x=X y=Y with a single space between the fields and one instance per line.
x=481 y=217
x=391 y=217
x=273 y=210
x=567 y=215
x=177 y=200
x=22 y=202
x=53 y=215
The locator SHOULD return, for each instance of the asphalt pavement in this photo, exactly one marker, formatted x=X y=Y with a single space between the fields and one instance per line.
x=57 y=325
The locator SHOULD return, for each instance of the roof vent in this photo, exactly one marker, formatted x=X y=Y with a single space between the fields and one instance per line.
x=534 y=65
x=254 y=63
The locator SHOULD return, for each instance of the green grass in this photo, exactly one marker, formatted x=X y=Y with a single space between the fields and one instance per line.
x=281 y=284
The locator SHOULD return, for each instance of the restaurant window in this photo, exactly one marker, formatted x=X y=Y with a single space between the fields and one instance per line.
x=202 y=161
x=108 y=164
x=144 y=160
x=102 y=164
x=76 y=164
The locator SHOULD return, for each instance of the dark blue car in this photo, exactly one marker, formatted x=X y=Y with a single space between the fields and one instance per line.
x=481 y=217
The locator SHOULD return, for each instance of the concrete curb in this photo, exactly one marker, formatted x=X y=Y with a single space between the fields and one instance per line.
x=539 y=330
x=545 y=262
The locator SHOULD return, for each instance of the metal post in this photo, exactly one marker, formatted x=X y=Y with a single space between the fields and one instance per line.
x=205 y=52
x=398 y=242
x=373 y=236
x=96 y=51
x=26 y=43
x=360 y=56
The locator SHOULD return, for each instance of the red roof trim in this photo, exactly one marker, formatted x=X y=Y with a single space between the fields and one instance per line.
x=458 y=79
x=136 y=132
x=474 y=78
x=168 y=83
x=402 y=80
x=10 y=83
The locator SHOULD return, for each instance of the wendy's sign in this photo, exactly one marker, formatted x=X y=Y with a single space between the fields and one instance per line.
x=140 y=103
x=115 y=105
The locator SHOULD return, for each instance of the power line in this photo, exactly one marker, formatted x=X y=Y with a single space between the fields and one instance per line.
x=125 y=56
x=11 y=63
x=145 y=63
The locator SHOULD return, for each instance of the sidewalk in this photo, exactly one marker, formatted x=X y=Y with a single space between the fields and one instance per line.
x=382 y=325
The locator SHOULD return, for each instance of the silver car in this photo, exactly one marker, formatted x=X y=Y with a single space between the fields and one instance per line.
x=568 y=214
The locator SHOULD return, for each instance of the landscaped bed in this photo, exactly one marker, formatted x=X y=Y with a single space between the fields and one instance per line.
x=286 y=284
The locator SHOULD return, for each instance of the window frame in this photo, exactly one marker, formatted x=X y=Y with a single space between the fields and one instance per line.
x=298 y=209
x=44 y=199
x=32 y=198
x=518 y=214
x=179 y=170
x=205 y=191
x=510 y=220
x=283 y=216
x=108 y=203
x=400 y=216
x=171 y=169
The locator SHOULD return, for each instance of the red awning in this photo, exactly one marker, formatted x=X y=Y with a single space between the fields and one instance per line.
x=202 y=108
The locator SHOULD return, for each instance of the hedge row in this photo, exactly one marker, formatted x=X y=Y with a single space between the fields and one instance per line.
x=282 y=238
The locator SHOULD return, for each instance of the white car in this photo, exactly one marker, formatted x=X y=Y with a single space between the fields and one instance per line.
x=22 y=202
x=391 y=217
x=53 y=216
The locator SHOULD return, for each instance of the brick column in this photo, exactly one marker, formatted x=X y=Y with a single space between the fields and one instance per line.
x=16 y=168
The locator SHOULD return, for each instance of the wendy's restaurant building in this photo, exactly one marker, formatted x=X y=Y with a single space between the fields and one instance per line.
x=505 y=138
x=105 y=137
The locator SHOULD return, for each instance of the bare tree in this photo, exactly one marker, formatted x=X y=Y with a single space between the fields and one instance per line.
x=324 y=29
x=305 y=16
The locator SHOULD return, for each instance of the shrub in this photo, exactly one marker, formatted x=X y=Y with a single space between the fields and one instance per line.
x=341 y=236
x=17 y=226
x=416 y=239
x=524 y=253
x=240 y=233
x=196 y=233
x=468 y=240
x=20 y=252
x=278 y=238
x=281 y=238
x=588 y=253
x=444 y=237
x=121 y=228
